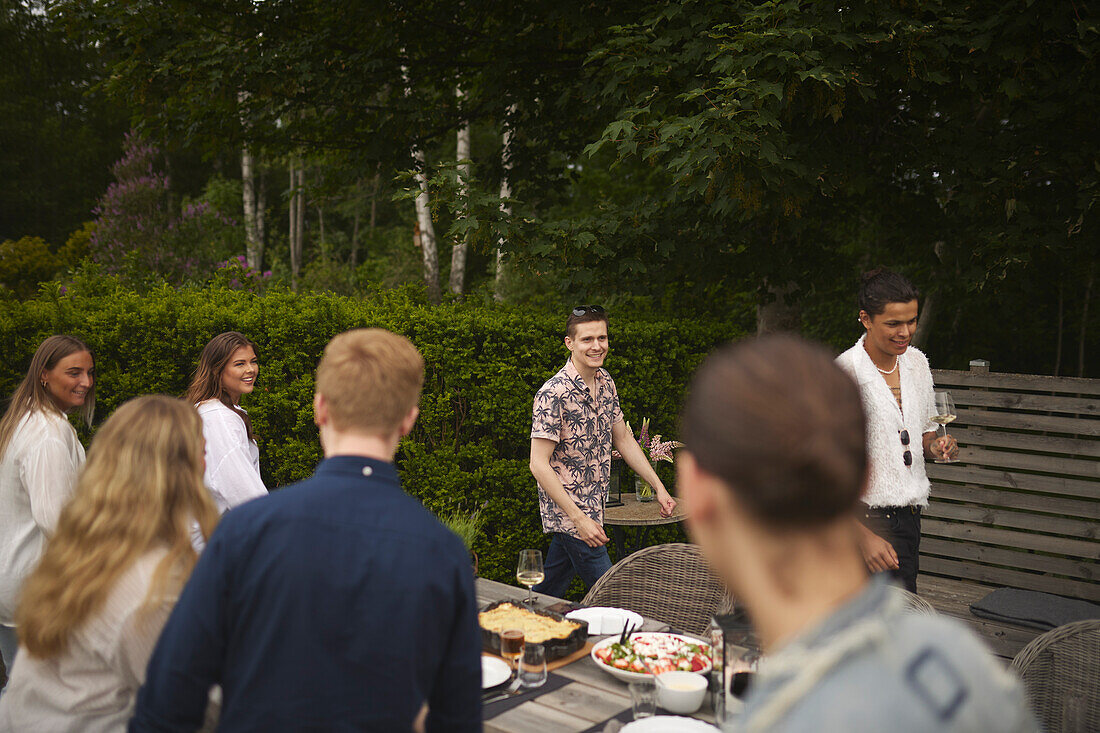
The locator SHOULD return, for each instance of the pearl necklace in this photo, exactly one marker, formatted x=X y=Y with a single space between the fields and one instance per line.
x=897 y=360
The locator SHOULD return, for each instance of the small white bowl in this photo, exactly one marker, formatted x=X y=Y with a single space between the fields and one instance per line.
x=681 y=692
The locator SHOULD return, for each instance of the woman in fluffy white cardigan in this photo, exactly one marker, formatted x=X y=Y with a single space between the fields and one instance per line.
x=895 y=385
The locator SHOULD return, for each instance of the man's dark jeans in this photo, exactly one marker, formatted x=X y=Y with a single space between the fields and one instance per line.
x=569 y=556
x=900 y=526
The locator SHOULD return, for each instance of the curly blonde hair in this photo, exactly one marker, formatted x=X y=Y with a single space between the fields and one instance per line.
x=141 y=488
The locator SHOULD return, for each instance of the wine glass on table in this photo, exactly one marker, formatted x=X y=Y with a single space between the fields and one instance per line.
x=511 y=646
x=945 y=413
x=529 y=572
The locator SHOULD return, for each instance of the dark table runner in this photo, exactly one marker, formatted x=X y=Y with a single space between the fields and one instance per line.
x=553 y=682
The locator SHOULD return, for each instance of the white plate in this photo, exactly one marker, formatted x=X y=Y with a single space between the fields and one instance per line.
x=602 y=620
x=494 y=672
x=667 y=724
x=626 y=676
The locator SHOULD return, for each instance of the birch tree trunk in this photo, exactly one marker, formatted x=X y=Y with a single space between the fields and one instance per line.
x=505 y=207
x=261 y=215
x=253 y=204
x=297 y=220
x=428 y=250
x=458 y=251
x=253 y=241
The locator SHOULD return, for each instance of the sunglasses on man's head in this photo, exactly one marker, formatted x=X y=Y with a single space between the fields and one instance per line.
x=907 y=456
x=581 y=310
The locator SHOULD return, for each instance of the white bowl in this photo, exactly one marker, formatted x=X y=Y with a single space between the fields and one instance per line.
x=628 y=677
x=681 y=692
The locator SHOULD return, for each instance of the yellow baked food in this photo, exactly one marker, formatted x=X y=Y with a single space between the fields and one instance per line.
x=537 y=628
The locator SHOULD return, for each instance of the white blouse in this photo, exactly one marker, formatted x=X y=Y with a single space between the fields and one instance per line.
x=37 y=474
x=890 y=482
x=232 y=460
x=92 y=686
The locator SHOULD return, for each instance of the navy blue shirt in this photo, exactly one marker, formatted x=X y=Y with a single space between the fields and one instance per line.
x=339 y=603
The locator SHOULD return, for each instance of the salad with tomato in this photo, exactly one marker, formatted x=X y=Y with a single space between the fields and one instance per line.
x=655 y=654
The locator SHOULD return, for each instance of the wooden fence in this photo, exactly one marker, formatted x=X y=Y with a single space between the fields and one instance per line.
x=1022 y=508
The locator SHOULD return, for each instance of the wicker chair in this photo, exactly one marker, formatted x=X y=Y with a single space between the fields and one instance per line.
x=1061 y=674
x=914 y=603
x=669 y=583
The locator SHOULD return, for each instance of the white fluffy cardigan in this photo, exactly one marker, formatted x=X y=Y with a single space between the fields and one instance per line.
x=890 y=482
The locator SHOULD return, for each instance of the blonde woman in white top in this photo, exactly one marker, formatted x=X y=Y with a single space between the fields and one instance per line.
x=227 y=370
x=895 y=386
x=40 y=456
x=94 y=607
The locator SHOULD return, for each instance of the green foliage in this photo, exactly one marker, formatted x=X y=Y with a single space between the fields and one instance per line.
x=466 y=525
x=470 y=446
x=145 y=235
x=24 y=263
x=57 y=134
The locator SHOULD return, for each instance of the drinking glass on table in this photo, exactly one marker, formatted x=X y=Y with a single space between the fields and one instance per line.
x=743 y=672
x=945 y=413
x=532 y=666
x=529 y=572
x=643 y=697
x=511 y=646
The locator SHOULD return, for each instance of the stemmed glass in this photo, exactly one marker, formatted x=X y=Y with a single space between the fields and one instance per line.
x=945 y=413
x=529 y=572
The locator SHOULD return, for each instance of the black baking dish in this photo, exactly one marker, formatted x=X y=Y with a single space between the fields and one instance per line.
x=555 y=648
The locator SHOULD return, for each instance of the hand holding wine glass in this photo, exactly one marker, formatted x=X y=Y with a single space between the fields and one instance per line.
x=529 y=572
x=945 y=413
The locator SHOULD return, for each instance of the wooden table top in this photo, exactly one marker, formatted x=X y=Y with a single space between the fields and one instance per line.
x=634 y=513
x=592 y=697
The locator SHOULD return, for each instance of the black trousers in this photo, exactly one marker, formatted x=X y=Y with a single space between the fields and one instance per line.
x=900 y=526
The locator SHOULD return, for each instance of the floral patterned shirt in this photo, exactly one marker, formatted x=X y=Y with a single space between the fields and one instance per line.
x=580 y=423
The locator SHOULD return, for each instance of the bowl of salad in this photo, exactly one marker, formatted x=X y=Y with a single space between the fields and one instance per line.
x=641 y=655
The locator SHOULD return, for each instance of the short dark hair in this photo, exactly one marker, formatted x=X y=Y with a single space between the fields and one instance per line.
x=880 y=286
x=782 y=425
x=584 y=314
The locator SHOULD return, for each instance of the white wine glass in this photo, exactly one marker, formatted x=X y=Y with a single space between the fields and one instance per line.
x=529 y=572
x=945 y=413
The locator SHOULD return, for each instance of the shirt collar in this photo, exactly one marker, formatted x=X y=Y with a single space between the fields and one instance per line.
x=358 y=466
x=867 y=366
x=574 y=375
x=865 y=603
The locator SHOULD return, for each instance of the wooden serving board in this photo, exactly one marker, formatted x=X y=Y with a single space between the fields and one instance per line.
x=557 y=663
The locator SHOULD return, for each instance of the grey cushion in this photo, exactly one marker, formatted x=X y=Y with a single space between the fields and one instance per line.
x=1033 y=609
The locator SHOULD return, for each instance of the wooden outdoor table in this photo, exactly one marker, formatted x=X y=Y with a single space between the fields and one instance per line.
x=591 y=697
x=634 y=513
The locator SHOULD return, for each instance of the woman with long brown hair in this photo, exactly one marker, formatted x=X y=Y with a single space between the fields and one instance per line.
x=227 y=370
x=40 y=456
x=91 y=612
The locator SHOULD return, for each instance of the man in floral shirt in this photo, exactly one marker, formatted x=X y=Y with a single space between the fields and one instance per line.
x=576 y=421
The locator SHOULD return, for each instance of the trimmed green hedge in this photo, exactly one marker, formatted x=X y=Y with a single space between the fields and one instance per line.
x=484 y=364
